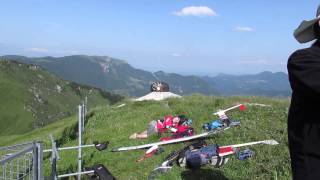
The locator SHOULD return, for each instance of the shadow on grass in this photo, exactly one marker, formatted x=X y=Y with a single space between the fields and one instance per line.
x=203 y=174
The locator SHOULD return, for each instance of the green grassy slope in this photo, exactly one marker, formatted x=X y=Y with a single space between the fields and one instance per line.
x=31 y=97
x=116 y=124
x=58 y=129
x=12 y=106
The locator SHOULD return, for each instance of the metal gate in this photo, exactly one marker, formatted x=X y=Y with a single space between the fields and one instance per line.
x=21 y=161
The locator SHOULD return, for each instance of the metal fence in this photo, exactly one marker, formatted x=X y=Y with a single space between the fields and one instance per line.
x=25 y=161
x=55 y=150
x=22 y=161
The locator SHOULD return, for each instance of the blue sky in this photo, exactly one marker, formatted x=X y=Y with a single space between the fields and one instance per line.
x=203 y=37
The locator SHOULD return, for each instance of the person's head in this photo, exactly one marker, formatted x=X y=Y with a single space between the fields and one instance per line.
x=176 y=120
x=308 y=30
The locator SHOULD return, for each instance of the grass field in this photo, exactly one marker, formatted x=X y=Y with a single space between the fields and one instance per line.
x=116 y=124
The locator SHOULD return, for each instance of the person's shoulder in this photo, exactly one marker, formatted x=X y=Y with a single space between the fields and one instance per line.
x=303 y=55
x=300 y=52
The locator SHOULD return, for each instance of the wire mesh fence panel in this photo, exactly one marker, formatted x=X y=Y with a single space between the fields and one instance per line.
x=22 y=161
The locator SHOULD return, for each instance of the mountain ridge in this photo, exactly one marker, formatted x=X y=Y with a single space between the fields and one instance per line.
x=265 y=83
x=118 y=76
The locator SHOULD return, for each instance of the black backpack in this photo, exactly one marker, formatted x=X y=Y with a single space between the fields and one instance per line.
x=102 y=172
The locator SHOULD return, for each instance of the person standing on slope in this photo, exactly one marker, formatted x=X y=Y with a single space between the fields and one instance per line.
x=304 y=117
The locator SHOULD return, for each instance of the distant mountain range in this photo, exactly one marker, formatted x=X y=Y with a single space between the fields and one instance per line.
x=115 y=75
x=31 y=97
x=118 y=76
x=262 y=84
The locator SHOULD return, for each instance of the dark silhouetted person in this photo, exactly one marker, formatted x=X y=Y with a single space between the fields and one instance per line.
x=304 y=113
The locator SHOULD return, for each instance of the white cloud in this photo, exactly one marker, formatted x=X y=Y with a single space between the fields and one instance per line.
x=38 y=50
x=244 y=29
x=200 y=11
x=52 y=51
x=176 y=55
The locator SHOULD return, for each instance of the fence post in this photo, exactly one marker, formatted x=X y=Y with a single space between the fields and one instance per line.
x=37 y=161
x=83 y=113
x=86 y=104
x=54 y=158
x=80 y=142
